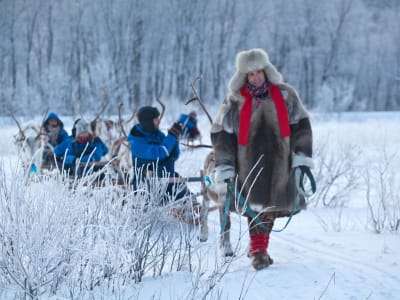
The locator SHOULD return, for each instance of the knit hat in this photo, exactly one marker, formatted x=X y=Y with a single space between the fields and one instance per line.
x=251 y=60
x=82 y=126
x=146 y=115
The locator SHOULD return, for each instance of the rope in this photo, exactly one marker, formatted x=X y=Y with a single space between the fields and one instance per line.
x=299 y=184
x=299 y=181
x=242 y=202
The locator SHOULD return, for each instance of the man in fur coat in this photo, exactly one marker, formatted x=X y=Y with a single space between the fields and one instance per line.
x=261 y=134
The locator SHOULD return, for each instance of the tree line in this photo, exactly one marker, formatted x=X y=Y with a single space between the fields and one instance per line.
x=341 y=55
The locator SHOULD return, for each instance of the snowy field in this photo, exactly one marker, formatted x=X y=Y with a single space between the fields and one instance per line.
x=346 y=245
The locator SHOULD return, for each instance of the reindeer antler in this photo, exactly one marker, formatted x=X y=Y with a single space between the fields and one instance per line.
x=162 y=106
x=105 y=103
x=120 y=120
x=18 y=124
x=196 y=97
x=42 y=123
x=131 y=117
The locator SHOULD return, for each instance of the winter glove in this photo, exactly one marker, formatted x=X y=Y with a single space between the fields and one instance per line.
x=176 y=129
x=70 y=159
x=302 y=167
x=219 y=176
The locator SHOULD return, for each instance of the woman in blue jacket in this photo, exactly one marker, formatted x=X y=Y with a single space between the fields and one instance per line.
x=56 y=134
x=83 y=148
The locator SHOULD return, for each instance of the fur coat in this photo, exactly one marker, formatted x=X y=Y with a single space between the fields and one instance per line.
x=265 y=166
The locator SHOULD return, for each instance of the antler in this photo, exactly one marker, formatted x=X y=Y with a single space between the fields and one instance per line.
x=103 y=107
x=162 y=106
x=195 y=97
x=18 y=124
x=131 y=117
x=42 y=123
x=120 y=120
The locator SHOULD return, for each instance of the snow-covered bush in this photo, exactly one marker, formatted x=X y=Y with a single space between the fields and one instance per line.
x=71 y=242
x=382 y=191
x=337 y=173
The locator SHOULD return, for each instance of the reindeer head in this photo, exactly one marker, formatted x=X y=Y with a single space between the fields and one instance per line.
x=30 y=142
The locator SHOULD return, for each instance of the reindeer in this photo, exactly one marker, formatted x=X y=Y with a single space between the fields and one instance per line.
x=209 y=194
x=30 y=142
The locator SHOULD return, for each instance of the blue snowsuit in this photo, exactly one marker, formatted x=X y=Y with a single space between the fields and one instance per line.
x=62 y=134
x=70 y=150
x=157 y=153
x=190 y=130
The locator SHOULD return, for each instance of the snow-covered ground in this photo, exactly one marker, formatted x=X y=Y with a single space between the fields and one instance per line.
x=327 y=251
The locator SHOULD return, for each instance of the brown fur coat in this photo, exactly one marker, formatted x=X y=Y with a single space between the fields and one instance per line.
x=265 y=166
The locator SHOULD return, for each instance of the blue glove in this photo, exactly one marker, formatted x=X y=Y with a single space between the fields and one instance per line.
x=70 y=159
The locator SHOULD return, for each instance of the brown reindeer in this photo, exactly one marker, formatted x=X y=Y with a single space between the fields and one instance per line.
x=209 y=193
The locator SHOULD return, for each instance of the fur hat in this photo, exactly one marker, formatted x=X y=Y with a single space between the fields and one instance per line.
x=146 y=115
x=251 y=60
x=81 y=126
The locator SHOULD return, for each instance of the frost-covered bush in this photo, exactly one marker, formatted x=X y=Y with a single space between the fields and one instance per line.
x=336 y=172
x=70 y=240
x=382 y=191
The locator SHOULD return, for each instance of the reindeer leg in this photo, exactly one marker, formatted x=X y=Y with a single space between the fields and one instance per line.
x=225 y=240
x=204 y=212
x=204 y=218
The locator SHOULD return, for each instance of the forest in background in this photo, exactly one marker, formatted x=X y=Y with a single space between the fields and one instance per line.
x=65 y=55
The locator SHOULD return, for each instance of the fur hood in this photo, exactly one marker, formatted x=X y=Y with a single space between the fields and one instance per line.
x=251 y=60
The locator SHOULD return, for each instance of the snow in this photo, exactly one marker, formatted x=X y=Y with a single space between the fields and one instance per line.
x=324 y=253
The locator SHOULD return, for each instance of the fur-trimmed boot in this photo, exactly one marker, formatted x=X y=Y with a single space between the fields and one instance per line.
x=258 y=251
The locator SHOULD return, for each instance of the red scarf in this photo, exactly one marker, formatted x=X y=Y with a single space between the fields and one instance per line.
x=245 y=113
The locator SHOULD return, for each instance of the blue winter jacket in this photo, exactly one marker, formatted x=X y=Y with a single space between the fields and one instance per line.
x=72 y=150
x=62 y=134
x=153 y=150
x=189 y=125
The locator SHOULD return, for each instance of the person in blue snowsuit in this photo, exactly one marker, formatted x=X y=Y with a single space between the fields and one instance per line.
x=53 y=127
x=154 y=153
x=83 y=148
x=189 y=124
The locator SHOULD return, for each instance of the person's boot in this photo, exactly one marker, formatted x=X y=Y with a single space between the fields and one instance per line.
x=260 y=259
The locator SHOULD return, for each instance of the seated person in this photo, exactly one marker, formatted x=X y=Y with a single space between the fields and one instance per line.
x=101 y=143
x=154 y=153
x=56 y=134
x=189 y=124
x=83 y=148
